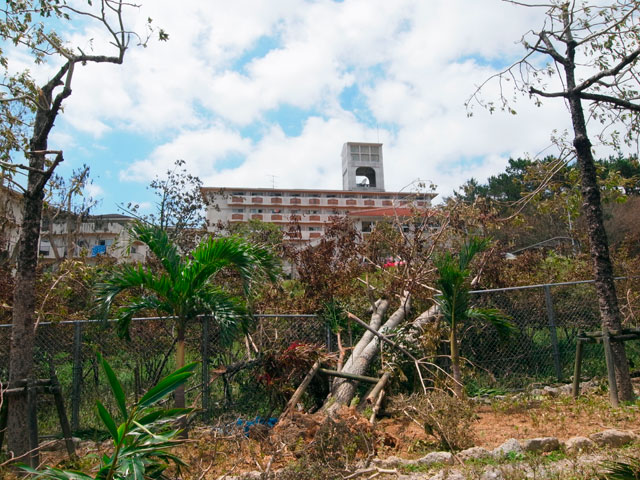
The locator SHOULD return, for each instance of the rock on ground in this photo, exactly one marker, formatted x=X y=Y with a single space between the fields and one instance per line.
x=613 y=438
x=539 y=445
x=510 y=446
x=578 y=444
x=474 y=453
x=436 y=457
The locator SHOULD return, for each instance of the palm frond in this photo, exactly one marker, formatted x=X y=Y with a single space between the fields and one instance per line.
x=628 y=469
x=159 y=243
x=138 y=304
x=214 y=254
x=470 y=249
x=501 y=321
x=229 y=313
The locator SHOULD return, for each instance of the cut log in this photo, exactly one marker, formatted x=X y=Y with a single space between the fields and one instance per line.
x=376 y=407
x=372 y=397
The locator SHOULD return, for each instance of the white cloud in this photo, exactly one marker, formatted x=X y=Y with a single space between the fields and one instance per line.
x=94 y=190
x=203 y=150
x=414 y=62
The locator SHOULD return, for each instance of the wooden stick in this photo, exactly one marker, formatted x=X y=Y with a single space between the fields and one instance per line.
x=575 y=389
x=376 y=407
x=375 y=392
x=301 y=389
x=349 y=376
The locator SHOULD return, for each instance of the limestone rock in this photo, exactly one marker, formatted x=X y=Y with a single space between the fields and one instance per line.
x=510 y=446
x=448 y=475
x=577 y=444
x=392 y=462
x=491 y=473
x=474 y=453
x=542 y=444
x=613 y=438
x=436 y=457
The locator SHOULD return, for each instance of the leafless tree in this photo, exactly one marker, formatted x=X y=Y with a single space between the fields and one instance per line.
x=28 y=111
x=586 y=54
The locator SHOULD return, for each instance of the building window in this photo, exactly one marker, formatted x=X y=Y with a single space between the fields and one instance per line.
x=238 y=193
x=237 y=210
x=365 y=153
x=256 y=210
x=315 y=229
x=367 y=227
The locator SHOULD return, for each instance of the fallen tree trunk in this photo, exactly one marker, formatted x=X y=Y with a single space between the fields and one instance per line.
x=365 y=351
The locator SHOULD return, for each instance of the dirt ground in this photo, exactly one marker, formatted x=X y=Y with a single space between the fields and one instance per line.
x=212 y=453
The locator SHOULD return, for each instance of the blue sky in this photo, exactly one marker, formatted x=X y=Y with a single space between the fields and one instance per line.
x=248 y=91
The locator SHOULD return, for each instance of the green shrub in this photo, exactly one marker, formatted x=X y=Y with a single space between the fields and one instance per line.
x=142 y=441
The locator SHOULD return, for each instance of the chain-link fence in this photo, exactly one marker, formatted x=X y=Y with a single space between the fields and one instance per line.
x=149 y=355
x=542 y=350
x=548 y=319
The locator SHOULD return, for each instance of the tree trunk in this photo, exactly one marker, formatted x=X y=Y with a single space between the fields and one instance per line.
x=610 y=315
x=365 y=351
x=455 y=362
x=179 y=393
x=23 y=321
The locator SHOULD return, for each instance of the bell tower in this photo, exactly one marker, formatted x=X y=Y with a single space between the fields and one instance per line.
x=362 y=167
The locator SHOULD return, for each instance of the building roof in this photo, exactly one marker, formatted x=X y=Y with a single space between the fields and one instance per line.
x=311 y=190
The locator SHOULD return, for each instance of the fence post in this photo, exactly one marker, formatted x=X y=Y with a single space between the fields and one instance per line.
x=552 y=331
x=204 y=352
x=32 y=423
x=77 y=376
x=611 y=374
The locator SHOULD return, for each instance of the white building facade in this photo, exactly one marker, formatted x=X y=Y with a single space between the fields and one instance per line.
x=307 y=211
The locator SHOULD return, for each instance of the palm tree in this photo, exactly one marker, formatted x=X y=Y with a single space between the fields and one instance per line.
x=185 y=289
x=454 y=301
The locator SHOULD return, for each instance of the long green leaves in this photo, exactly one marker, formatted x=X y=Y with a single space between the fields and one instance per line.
x=142 y=441
x=628 y=469
x=167 y=385
x=454 y=299
x=186 y=288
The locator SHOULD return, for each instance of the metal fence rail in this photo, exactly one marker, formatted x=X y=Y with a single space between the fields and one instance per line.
x=548 y=318
x=149 y=355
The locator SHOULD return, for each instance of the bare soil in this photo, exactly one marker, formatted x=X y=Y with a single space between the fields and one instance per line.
x=212 y=452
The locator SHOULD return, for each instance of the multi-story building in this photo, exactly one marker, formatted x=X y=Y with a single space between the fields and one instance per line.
x=363 y=198
x=90 y=237
x=69 y=235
